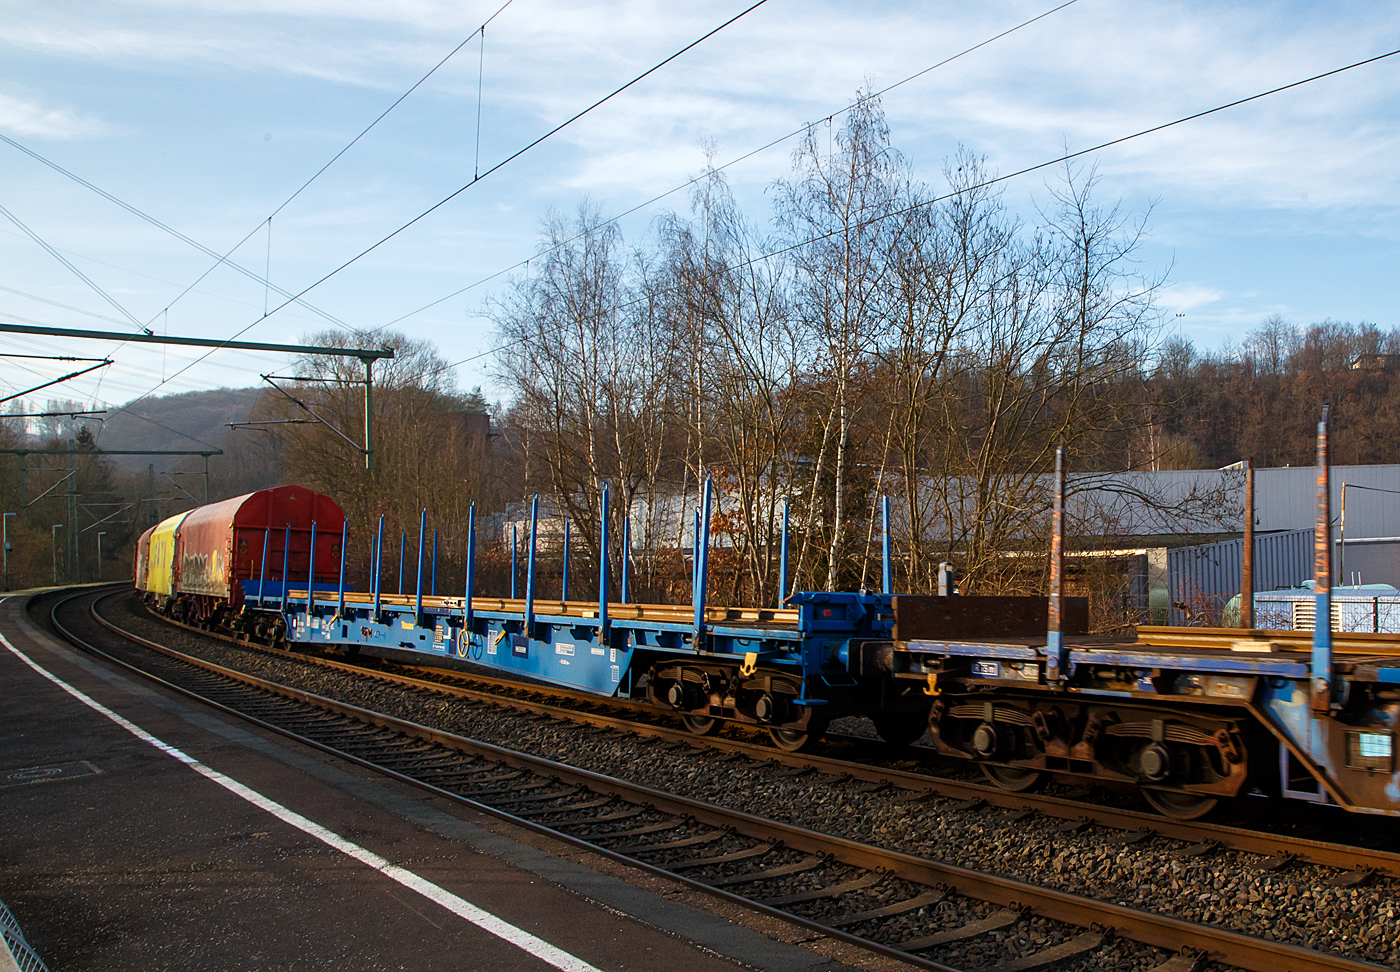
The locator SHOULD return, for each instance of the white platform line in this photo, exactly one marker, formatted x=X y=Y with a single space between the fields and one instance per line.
x=484 y=920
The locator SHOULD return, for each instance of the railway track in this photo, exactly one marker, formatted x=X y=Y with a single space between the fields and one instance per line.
x=901 y=905
x=1276 y=851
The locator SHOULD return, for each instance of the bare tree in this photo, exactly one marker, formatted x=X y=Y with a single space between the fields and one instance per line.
x=837 y=210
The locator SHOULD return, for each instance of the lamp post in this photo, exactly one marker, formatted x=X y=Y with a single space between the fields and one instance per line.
x=100 y=535
x=56 y=528
x=5 y=530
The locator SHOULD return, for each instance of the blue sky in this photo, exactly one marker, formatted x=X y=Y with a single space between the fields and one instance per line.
x=208 y=113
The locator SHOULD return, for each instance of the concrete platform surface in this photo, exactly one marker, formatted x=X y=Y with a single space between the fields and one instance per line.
x=116 y=853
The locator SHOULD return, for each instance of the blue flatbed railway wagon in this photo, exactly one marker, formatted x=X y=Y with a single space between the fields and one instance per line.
x=1190 y=716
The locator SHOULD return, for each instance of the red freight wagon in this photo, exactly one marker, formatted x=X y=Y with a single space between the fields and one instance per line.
x=221 y=544
x=143 y=556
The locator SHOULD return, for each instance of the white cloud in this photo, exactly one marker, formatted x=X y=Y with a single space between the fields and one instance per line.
x=1186 y=296
x=21 y=117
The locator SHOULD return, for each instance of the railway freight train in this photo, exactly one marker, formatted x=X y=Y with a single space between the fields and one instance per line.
x=1189 y=716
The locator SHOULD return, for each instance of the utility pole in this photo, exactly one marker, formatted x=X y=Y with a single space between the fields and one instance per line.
x=74 y=566
x=56 y=528
x=100 y=535
x=5 y=529
x=369 y=410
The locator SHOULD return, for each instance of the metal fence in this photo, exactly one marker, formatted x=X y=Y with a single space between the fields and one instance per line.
x=25 y=957
x=1203 y=578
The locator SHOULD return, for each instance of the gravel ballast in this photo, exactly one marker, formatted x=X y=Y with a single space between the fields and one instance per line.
x=1224 y=889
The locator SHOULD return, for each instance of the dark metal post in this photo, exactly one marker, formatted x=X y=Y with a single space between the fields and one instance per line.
x=626 y=559
x=311 y=573
x=887 y=575
x=514 y=567
x=418 y=590
x=783 y=560
x=603 y=568
x=1054 y=637
x=206 y=479
x=1322 y=578
x=286 y=564
x=530 y=566
x=564 y=577
x=702 y=568
x=378 y=566
x=470 y=583
x=1342 y=540
x=262 y=568
x=1247 y=552
x=369 y=410
x=340 y=599
x=433 y=589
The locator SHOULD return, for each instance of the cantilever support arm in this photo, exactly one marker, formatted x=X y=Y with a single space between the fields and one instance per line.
x=308 y=410
x=56 y=381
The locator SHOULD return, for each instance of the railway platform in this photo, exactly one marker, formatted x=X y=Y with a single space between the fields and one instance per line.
x=139 y=829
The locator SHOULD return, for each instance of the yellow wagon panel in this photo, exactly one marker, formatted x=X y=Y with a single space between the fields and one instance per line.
x=160 y=571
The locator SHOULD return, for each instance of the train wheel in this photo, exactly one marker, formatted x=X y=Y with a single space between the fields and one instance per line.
x=799 y=740
x=1012 y=778
x=701 y=725
x=902 y=729
x=1181 y=806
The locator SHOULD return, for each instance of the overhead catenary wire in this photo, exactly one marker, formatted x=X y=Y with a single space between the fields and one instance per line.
x=521 y=151
x=130 y=318
x=742 y=158
x=986 y=183
x=499 y=165
x=140 y=214
x=335 y=158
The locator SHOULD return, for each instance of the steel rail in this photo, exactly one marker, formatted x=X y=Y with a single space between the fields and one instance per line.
x=1221 y=639
x=1160 y=931
x=459 y=743
x=1302 y=850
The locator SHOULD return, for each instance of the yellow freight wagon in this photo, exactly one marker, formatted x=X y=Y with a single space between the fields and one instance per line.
x=160 y=564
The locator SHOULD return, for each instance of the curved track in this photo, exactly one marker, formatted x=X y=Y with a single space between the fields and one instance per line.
x=711 y=847
x=1355 y=864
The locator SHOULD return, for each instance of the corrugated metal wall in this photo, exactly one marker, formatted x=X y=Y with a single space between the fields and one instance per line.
x=1203 y=578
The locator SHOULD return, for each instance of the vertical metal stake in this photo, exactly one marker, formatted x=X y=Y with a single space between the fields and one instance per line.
x=564 y=576
x=783 y=559
x=340 y=599
x=378 y=566
x=311 y=574
x=286 y=563
x=1322 y=578
x=530 y=567
x=603 y=568
x=702 y=558
x=403 y=549
x=418 y=590
x=1054 y=636
x=470 y=582
x=514 y=568
x=433 y=590
x=887 y=573
x=1247 y=553
x=626 y=559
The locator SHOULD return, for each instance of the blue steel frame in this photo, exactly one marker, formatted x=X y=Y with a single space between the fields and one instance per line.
x=594 y=651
